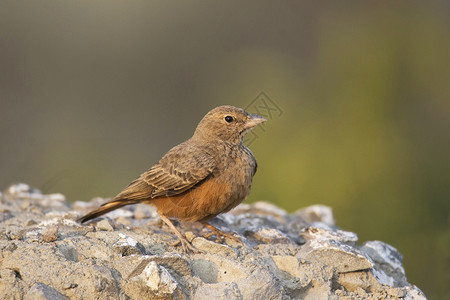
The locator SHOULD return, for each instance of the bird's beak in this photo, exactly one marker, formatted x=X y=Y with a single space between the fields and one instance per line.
x=253 y=120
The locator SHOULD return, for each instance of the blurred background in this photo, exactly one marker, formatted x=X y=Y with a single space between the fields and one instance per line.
x=357 y=93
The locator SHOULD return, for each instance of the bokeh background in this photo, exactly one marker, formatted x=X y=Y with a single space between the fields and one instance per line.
x=357 y=94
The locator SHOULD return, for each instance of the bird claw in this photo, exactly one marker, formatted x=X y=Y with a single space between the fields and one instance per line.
x=219 y=234
x=187 y=246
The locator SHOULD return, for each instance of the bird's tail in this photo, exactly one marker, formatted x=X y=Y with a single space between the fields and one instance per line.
x=106 y=208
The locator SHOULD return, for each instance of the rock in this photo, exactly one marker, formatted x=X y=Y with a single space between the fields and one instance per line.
x=40 y=291
x=318 y=233
x=317 y=213
x=387 y=258
x=271 y=236
x=128 y=246
x=261 y=209
x=127 y=255
x=16 y=234
x=69 y=252
x=104 y=225
x=154 y=281
x=210 y=246
x=50 y=234
x=353 y=281
x=330 y=248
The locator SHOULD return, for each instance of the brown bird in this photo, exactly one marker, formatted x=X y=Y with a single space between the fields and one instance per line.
x=206 y=175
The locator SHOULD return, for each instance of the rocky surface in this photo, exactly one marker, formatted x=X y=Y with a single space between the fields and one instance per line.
x=46 y=254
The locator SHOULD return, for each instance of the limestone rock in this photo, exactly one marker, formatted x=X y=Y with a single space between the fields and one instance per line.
x=127 y=246
x=154 y=281
x=317 y=213
x=46 y=254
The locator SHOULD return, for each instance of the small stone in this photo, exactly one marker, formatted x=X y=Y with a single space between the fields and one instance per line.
x=11 y=247
x=314 y=232
x=69 y=285
x=16 y=234
x=317 y=213
x=127 y=246
x=104 y=225
x=30 y=223
x=50 y=234
x=271 y=236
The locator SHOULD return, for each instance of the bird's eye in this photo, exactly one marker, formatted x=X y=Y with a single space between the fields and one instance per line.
x=229 y=119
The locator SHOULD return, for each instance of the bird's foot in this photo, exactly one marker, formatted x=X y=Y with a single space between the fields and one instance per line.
x=187 y=246
x=219 y=234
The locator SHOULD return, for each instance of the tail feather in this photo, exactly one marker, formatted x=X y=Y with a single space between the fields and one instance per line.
x=106 y=208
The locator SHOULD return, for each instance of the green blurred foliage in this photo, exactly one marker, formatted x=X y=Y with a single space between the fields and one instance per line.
x=93 y=93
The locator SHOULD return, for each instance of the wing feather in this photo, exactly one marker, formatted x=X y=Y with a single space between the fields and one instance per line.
x=180 y=169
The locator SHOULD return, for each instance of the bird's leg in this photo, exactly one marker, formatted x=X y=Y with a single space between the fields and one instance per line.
x=184 y=242
x=218 y=233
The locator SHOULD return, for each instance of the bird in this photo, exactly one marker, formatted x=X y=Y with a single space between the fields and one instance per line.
x=208 y=174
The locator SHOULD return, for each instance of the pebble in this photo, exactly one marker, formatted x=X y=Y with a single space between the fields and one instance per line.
x=50 y=234
x=104 y=225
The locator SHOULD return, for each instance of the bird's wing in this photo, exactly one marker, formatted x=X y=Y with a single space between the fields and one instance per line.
x=179 y=170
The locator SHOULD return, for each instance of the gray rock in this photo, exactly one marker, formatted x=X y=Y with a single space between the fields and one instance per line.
x=330 y=248
x=127 y=255
x=210 y=246
x=69 y=252
x=271 y=236
x=154 y=281
x=388 y=259
x=317 y=213
x=127 y=246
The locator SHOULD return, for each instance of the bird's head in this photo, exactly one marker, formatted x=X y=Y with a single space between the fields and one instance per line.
x=226 y=123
